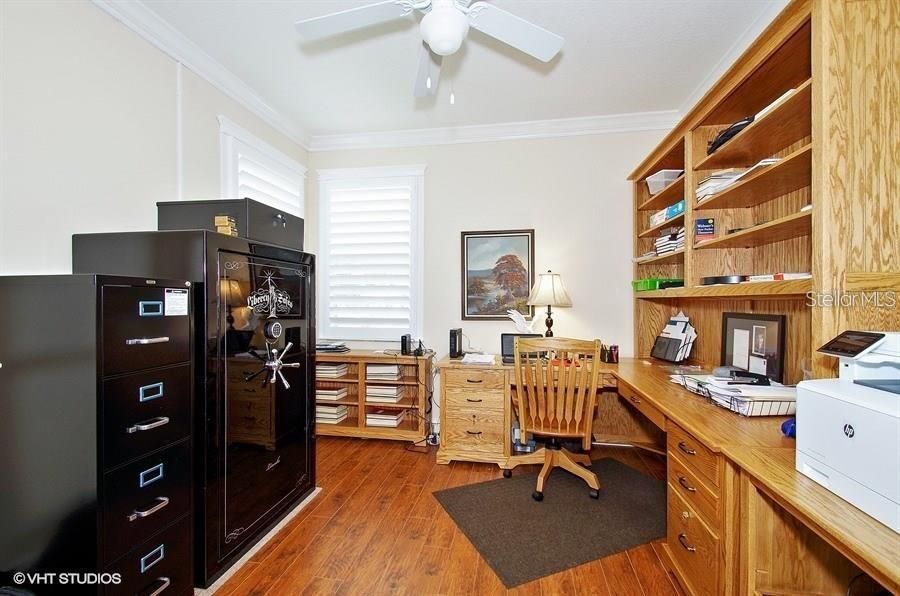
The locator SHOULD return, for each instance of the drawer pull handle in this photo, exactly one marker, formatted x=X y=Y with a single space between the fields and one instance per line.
x=139 y=513
x=145 y=341
x=474 y=433
x=685 y=449
x=148 y=425
x=474 y=380
x=151 y=475
x=682 y=539
x=634 y=400
x=273 y=464
x=150 y=308
x=684 y=483
x=153 y=557
x=166 y=582
x=148 y=392
x=474 y=401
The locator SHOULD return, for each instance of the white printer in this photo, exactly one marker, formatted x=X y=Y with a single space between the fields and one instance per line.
x=848 y=429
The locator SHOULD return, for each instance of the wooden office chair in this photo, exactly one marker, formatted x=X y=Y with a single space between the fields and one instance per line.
x=556 y=390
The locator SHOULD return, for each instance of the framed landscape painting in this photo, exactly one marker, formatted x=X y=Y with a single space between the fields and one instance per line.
x=497 y=273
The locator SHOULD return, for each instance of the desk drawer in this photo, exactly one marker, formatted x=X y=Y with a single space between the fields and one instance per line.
x=694 y=492
x=462 y=399
x=694 y=454
x=649 y=411
x=475 y=379
x=693 y=546
x=473 y=430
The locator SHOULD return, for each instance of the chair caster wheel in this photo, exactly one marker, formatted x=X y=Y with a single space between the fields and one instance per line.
x=537 y=495
x=507 y=473
x=595 y=494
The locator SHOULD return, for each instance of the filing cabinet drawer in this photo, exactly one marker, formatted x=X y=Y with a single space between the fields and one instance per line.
x=139 y=333
x=473 y=400
x=649 y=411
x=475 y=379
x=145 y=496
x=694 y=454
x=694 y=492
x=693 y=546
x=161 y=565
x=145 y=411
x=473 y=430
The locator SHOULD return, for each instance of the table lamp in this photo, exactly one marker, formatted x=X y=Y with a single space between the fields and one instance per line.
x=231 y=291
x=549 y=291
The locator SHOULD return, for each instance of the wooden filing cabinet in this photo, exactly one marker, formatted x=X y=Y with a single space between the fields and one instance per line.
x=474 y=414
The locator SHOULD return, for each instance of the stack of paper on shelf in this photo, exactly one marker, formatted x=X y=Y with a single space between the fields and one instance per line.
x=388 y=418
x=383 y=372
x=385 y=394
x=780 y=276
x=330 y=414
x=331 y=371
x=331 y=394
x=717 y=181
x=670 y=242
x=331 y=347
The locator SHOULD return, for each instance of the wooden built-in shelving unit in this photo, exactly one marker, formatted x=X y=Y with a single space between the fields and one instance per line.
x=415 y=389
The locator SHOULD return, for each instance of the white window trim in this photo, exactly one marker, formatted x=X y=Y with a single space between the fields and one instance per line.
x=232 y=139
x=417 y=248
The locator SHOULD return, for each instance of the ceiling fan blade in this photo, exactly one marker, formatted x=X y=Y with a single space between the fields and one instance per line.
x=515 y=31
x=429 y=72
x=354 y=18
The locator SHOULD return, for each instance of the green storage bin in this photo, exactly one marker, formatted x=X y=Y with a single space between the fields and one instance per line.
x=651 y=283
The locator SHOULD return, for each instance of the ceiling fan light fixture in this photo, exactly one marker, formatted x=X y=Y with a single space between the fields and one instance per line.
x=444 y=28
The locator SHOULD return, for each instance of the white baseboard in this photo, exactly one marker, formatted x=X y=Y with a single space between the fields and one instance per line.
x=265 y=539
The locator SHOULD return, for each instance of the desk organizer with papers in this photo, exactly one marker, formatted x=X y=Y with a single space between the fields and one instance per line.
x=743 y=399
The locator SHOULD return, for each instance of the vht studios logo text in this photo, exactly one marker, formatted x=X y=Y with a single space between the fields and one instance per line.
x=838 y=299
x=67 y=579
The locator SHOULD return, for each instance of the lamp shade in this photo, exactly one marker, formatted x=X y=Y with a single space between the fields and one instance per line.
x=549 y=291
x=231 y=291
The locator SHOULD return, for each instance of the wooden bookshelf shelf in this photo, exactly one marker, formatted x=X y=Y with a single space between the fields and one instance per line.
x=670 y=195
x=756 y=289
x=785 y=228
x=400 y=381
x=350 y=400
x=787 y=123
x=345 y=379
x=348 y=424
x=672 y=257
x=654 y=231
x=791 y=173
x=404 y=404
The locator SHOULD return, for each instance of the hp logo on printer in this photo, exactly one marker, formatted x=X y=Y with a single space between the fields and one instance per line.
x=848 y=430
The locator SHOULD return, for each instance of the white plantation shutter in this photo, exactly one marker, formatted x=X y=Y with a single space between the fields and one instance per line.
x=251 y=168
x=371 y=253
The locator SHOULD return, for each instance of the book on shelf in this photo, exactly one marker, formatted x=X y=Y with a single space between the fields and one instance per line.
x=331 y=394
x=670 y=242
x=704 y=228
x=780 y=276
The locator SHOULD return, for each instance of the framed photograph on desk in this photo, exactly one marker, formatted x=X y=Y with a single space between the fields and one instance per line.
x=497 y=273
x=754 y=342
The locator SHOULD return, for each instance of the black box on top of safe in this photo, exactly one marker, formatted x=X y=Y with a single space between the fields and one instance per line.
x=253 y=220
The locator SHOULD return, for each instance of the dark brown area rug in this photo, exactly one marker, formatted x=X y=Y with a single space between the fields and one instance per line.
x=523 y=540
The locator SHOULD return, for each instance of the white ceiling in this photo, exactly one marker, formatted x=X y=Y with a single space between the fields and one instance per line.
x=621 y=56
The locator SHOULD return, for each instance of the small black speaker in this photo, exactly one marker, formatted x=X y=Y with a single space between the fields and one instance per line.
x=456 y=350
x=406 y=344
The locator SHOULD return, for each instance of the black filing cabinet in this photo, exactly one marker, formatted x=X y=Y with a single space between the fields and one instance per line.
x=96 y=419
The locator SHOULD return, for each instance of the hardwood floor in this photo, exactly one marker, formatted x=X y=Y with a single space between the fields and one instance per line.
x=376 y=529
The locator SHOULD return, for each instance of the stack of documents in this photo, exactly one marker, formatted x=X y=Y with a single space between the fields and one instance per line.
x=385 y=418
x=385 y=394
x=330 y=394
x=331 y=414
x=383 y=372
x=670 y=242
x=746 y=400
x=332 y=347
x=719 y=181
x=478 y=359
x=331 y=371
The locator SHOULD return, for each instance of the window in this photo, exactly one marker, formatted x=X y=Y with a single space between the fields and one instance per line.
x=254 y=169
x=370 y=256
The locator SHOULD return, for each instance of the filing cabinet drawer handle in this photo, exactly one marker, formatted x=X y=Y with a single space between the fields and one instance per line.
x=166 y=582
x=153 y=557
x=474 y=433
x=474 y=401
x=474 y=380
x=138 y=513
x=634 y=400
x=145 y=341
x=684 y=483
x=148 y=392
x=148 y=425
x=682 y=539
x=684 y=448
x=150 y=308
x=151 y=475
x=273 y=464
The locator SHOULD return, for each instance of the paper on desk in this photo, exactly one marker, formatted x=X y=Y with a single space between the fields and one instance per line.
x=478 y=359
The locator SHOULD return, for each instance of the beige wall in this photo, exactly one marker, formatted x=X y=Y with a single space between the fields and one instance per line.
x=571 y=190
x=89 y=131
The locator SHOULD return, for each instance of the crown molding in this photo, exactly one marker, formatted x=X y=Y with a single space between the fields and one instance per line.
x=536 y=129
x=153 y=28
x=765 y=18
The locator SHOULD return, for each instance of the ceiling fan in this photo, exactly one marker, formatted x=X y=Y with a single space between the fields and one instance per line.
x=443 y=28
